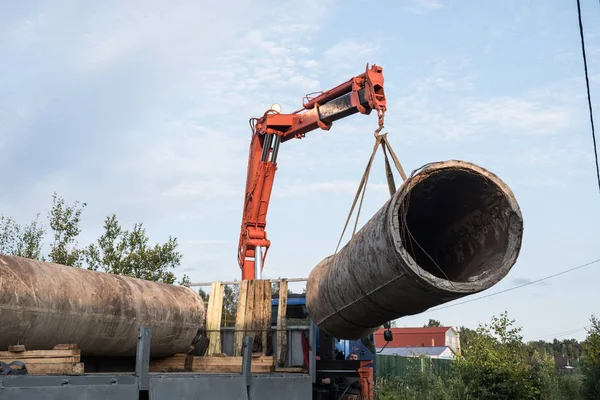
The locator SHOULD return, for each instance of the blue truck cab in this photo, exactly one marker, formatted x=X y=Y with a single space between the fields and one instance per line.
x=296 y=311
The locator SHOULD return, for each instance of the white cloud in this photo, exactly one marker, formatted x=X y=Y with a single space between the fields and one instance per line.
x=494 y=118
x=521 y=115
x=350 y=49
x=443 y=104
x=299 y=189
x=207 y=241
x=171 y=71
x=184 y=149
x=449 y=74
x=421 y=6
x=167 y=33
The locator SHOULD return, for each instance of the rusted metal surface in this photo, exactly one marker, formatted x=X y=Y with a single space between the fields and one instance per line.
x=43 y=304
x=452 y=229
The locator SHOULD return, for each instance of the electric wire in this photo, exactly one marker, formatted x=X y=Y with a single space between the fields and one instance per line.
x=589 y=97
x=555 y=335
x=515 y=287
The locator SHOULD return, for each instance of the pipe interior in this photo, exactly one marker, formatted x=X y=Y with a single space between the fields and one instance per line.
x=457 y=227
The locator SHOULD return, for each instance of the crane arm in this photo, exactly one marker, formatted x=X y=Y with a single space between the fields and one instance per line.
x=360 y=94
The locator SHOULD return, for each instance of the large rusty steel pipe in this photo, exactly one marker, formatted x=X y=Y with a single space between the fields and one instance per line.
x=44 y=304
x=451 y=230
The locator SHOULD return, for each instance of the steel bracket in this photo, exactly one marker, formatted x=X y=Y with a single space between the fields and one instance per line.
x=142 y=361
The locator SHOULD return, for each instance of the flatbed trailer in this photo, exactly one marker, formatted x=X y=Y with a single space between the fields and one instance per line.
x=143 y=384
x=308 y=355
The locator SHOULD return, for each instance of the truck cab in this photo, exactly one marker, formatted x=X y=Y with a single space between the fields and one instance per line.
x=297 y=314
x=331 y=353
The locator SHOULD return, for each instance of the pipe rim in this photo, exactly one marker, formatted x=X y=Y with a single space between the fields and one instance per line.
x=484 y=280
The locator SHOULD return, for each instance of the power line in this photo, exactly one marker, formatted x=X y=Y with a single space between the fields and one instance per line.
x=587 y=83
x=555 y=335
x=516 y=287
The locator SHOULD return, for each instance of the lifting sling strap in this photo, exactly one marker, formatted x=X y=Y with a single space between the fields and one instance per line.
x=380 y=140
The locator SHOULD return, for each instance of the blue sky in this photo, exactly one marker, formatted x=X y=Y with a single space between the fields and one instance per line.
x=142 y=108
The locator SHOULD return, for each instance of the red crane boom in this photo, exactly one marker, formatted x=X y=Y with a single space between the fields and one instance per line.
x=360 y=94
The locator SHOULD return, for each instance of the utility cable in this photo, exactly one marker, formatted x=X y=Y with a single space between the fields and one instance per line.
x=555 y=335
x=516 y=287
x=589 y=97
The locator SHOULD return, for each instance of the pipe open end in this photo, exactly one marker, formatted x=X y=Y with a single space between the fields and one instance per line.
x=461 y=223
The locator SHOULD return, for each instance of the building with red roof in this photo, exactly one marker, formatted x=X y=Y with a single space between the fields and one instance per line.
x=443 y=336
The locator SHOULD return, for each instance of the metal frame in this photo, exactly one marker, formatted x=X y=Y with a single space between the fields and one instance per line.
x=158 y=386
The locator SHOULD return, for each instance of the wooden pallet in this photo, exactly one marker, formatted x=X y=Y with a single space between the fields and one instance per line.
x=62 y=360
x=253 y=318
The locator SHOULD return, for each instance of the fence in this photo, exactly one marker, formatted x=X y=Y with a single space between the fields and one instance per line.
x=390 y=365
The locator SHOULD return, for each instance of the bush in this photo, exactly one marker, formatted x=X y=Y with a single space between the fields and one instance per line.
x=590 y=361
x=420 y=385
x=569 y=387
x=496 y=365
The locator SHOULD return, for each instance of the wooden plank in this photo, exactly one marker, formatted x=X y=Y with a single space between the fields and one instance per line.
x=257 y=315
x=211 y=299
x=249 y=318
x=55 y=369
x=217 y=347
x=213 y=322
x=232 y=364
x=65 y=346
x=254 y=316
x=27 y=361
x=282 y=323
x=267 y=337
x=240 y=319
x=41 y=353
x=178 y=362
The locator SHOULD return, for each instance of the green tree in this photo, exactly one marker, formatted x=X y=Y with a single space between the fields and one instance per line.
x=590 y=360
x=275 y=288
x=497 y=365
x=433 y=323
x=230 y=301
x=184 y=281
x=569 y=348
x=21 y=241
x=203 y=295
x=117 y=251
x=466 y=335
x=64 y=222
x=123 y=252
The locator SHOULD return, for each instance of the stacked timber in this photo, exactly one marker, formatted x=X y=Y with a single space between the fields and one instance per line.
x=216 y=364
x=226 y=364
x=177 y=363
x=61 y=360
